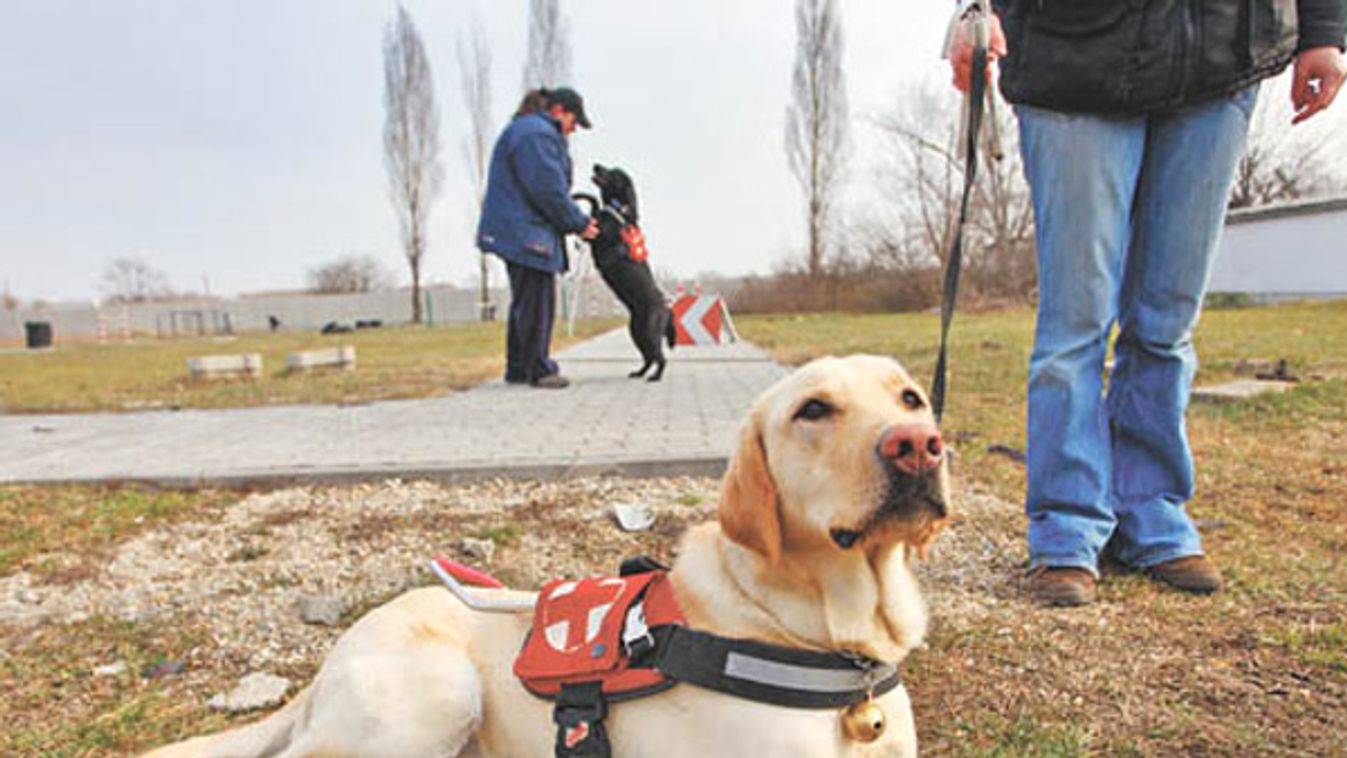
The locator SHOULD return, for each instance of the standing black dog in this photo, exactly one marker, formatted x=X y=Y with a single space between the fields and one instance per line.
x=619 y=252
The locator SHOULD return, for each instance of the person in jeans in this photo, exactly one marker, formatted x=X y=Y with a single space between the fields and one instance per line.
x=526 y=212
x=1132 y=117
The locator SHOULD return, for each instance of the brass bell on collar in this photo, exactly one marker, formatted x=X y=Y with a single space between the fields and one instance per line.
x=863 y=721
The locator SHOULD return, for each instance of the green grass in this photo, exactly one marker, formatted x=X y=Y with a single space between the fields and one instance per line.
x=501 y=534
x=689 y=499
x=1022 y=738
x=393 y=363
x=57 y=706
x=81 y=521
x=1323 y=646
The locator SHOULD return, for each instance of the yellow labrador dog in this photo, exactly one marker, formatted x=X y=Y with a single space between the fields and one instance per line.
x=838 y=480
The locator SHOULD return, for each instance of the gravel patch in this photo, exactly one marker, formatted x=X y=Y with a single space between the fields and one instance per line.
x=246 y=574
x=256 y=576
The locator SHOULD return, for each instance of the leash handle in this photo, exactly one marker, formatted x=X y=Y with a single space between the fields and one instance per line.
x=593 y=202
x=444 y=569
x=974 y=13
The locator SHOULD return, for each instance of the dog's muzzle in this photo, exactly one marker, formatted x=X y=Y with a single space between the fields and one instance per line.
x=910 y=456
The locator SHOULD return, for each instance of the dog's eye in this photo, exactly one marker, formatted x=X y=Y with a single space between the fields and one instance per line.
x=912 y=400
x=814 y=409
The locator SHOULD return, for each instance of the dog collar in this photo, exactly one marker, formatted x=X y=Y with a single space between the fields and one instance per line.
x=616 y=213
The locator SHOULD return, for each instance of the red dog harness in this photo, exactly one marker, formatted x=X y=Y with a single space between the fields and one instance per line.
x=634 y=239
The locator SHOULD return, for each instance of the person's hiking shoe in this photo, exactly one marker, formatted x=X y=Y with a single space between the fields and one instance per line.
x=1193 y=573
x=552 y=382
x=1063 y=586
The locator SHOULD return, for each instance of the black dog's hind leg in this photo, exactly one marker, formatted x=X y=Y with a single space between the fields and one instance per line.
x=659 y=371
x=640 y=372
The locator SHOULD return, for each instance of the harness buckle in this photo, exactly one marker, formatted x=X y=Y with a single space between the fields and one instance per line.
x=636 y=637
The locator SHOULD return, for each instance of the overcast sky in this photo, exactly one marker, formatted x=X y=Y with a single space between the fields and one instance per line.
x=239 y=143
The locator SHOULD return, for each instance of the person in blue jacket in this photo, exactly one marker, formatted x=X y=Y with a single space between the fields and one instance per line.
x=526 y=212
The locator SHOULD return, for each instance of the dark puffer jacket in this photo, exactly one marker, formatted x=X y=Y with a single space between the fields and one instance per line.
x=1141 y=56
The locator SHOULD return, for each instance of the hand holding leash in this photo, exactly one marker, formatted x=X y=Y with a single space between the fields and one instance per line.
x=973 y=27
x=975 y=31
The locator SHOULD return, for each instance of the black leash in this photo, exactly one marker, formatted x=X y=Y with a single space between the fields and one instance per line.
x=977 y=95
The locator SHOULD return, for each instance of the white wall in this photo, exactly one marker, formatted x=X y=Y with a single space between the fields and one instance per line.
x=446 y=305
x=1284 y=254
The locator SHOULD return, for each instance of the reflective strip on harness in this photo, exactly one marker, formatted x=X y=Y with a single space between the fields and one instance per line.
x=792 y=677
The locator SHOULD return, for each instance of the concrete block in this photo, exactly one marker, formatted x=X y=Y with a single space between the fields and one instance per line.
x=220 y=366
x=1240 y=389
x=341 y=357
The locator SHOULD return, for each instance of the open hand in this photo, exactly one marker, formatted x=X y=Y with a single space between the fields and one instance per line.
x=1319 y=73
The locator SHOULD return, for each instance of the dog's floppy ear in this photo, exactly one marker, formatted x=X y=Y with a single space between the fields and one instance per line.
x=750 y=512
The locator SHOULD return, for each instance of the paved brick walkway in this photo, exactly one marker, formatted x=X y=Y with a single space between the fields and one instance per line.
x=604 y=422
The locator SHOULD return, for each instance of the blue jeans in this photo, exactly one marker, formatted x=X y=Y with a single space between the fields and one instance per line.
x=1128 y=213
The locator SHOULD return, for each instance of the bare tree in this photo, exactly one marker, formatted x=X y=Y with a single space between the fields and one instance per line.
x=549 y=48
x=1282 y=163
x=816 y=119
x=133 y=280
x=411 y=140
x=350 y=273
x=922 y=182
x=474 y=72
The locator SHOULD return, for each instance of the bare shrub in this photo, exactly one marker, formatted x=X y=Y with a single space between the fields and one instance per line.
x=351 y=273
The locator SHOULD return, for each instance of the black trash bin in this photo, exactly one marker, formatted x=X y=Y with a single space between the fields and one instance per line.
x=38 y=332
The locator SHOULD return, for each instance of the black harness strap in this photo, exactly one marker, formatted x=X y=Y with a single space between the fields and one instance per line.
x=977 y=95
x=769 y=673
x=578 y=714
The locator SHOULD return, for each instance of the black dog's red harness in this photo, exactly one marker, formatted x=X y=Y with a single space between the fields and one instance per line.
x=608 y=639
x=631 y=234
x=634 y=239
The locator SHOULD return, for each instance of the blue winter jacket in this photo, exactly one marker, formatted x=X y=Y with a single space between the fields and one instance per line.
x=528 y=204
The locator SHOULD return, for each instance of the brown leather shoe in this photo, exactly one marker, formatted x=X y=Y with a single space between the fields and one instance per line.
x=1062 y=586
x=552 y=382
x=1193 y=573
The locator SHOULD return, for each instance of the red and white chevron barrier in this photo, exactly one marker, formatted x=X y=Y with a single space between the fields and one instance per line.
x=702 y=320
